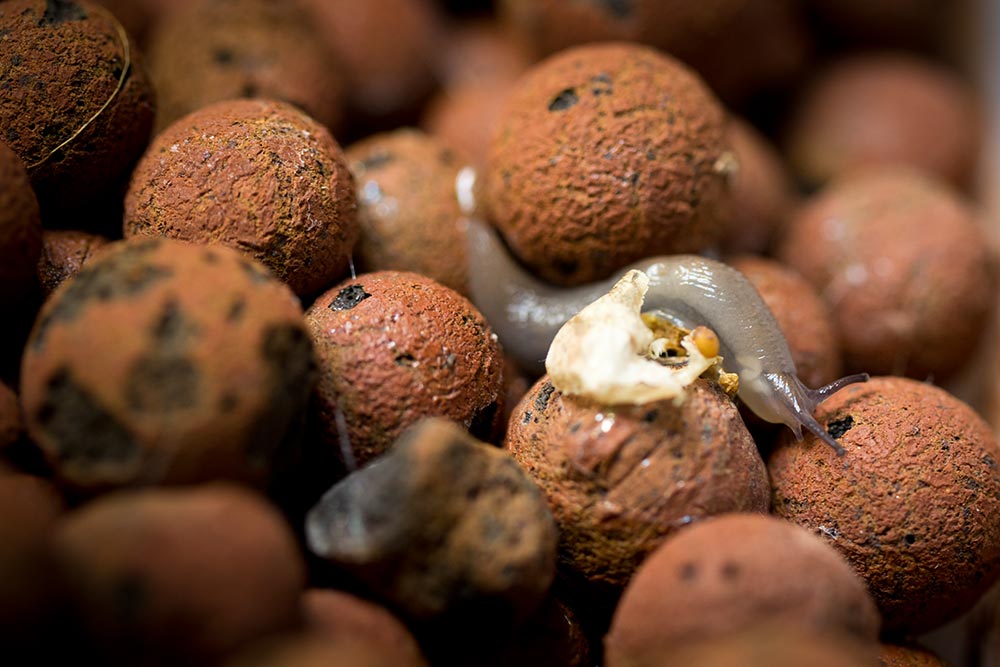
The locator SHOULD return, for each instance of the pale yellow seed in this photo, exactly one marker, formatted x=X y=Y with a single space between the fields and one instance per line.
x=706 y=341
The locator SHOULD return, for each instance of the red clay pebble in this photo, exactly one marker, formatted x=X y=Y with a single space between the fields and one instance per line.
x=621 y=479
x=766 y=645
x=728 y=573
x=256 y=175
x=394 y=347
x=892 y=655
x=407 y=206
x=342 y=617
x=214 y=50
x=606 y=154
x=179 y=576
x=166 y=362
x=912 y=503
x=905 y=266
x=883 y=109
x=20 y=228
x=803 y=317
x=387 y=49
x=446 y=529
x=77 y=107
x=29 y=509
x=762 y=191
x=64 y=253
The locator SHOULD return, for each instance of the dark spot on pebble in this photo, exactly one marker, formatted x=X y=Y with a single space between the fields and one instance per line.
x=117 y=278
x=83 y=431
x=542 y=400
x=256 y=272
x=483 y=421
x=618 y=8
x=173 y=329
x=989 y=461
x=236 y=310
x=60 y=11
x=601 y=85
x=565 y=267
x=249 y=89
x=688 y=571
x=349 y=297
x=730 y=570
x=909 y=538
x=564 y=100
x=223 y=56
x=527 y=417
x=162 y=382
x=228 y=403
x=839 y=427
x=378 y=159
x=406 y=359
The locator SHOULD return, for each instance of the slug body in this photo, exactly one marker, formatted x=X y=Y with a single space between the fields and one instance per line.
x=687 y=289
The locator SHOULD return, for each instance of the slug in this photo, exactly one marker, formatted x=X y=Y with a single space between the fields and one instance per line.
x=689 y=290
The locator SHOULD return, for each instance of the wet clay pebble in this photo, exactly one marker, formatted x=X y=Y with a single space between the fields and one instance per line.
x=739 y=46
x=881 y=109
x=606 y=154
x=892 y=655
x=904 y=264
x=64 y=253
x=76 y=107
x=29 y=509
x=257 y=175
x=214 y=50
x=728 y=573
x=619 y=480
x=803 y=317
x=407 y=206
x=762 y=191
x=912 y=503
x=166 y=362
x=448 y=530
x=342 y=617
x=179 y=576
x=388 y=50
x=394 y=347
x=20 y=228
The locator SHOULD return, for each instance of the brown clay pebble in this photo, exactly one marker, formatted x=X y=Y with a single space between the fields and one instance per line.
x=20 y=228
x=256 y=175
x=166 y=362
x=408 y=209
x=905 y=266
x=728 y=573
x=309 y=650
x=64 y=253
x=619 y=480
x=882 y=109
x=342 y=617
x=77 y=107
x=29 y=509
x=449 y=530
x=387 y=49
x=394 y=347
x=911 y=504
x=214 y=50
x=762 y=191
x=892 y=655
x=465 y=118
x=179 y=576
x=11 y=421
x=739 y=46
x=803 y=317
x=606 y=154
x=766 y=645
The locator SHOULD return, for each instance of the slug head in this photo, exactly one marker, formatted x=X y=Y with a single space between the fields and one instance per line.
x=781 y=398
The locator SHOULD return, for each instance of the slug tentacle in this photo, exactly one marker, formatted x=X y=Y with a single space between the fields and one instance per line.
x=690 y=290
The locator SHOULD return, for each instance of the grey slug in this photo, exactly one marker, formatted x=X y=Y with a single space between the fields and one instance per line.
x=687 y=289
